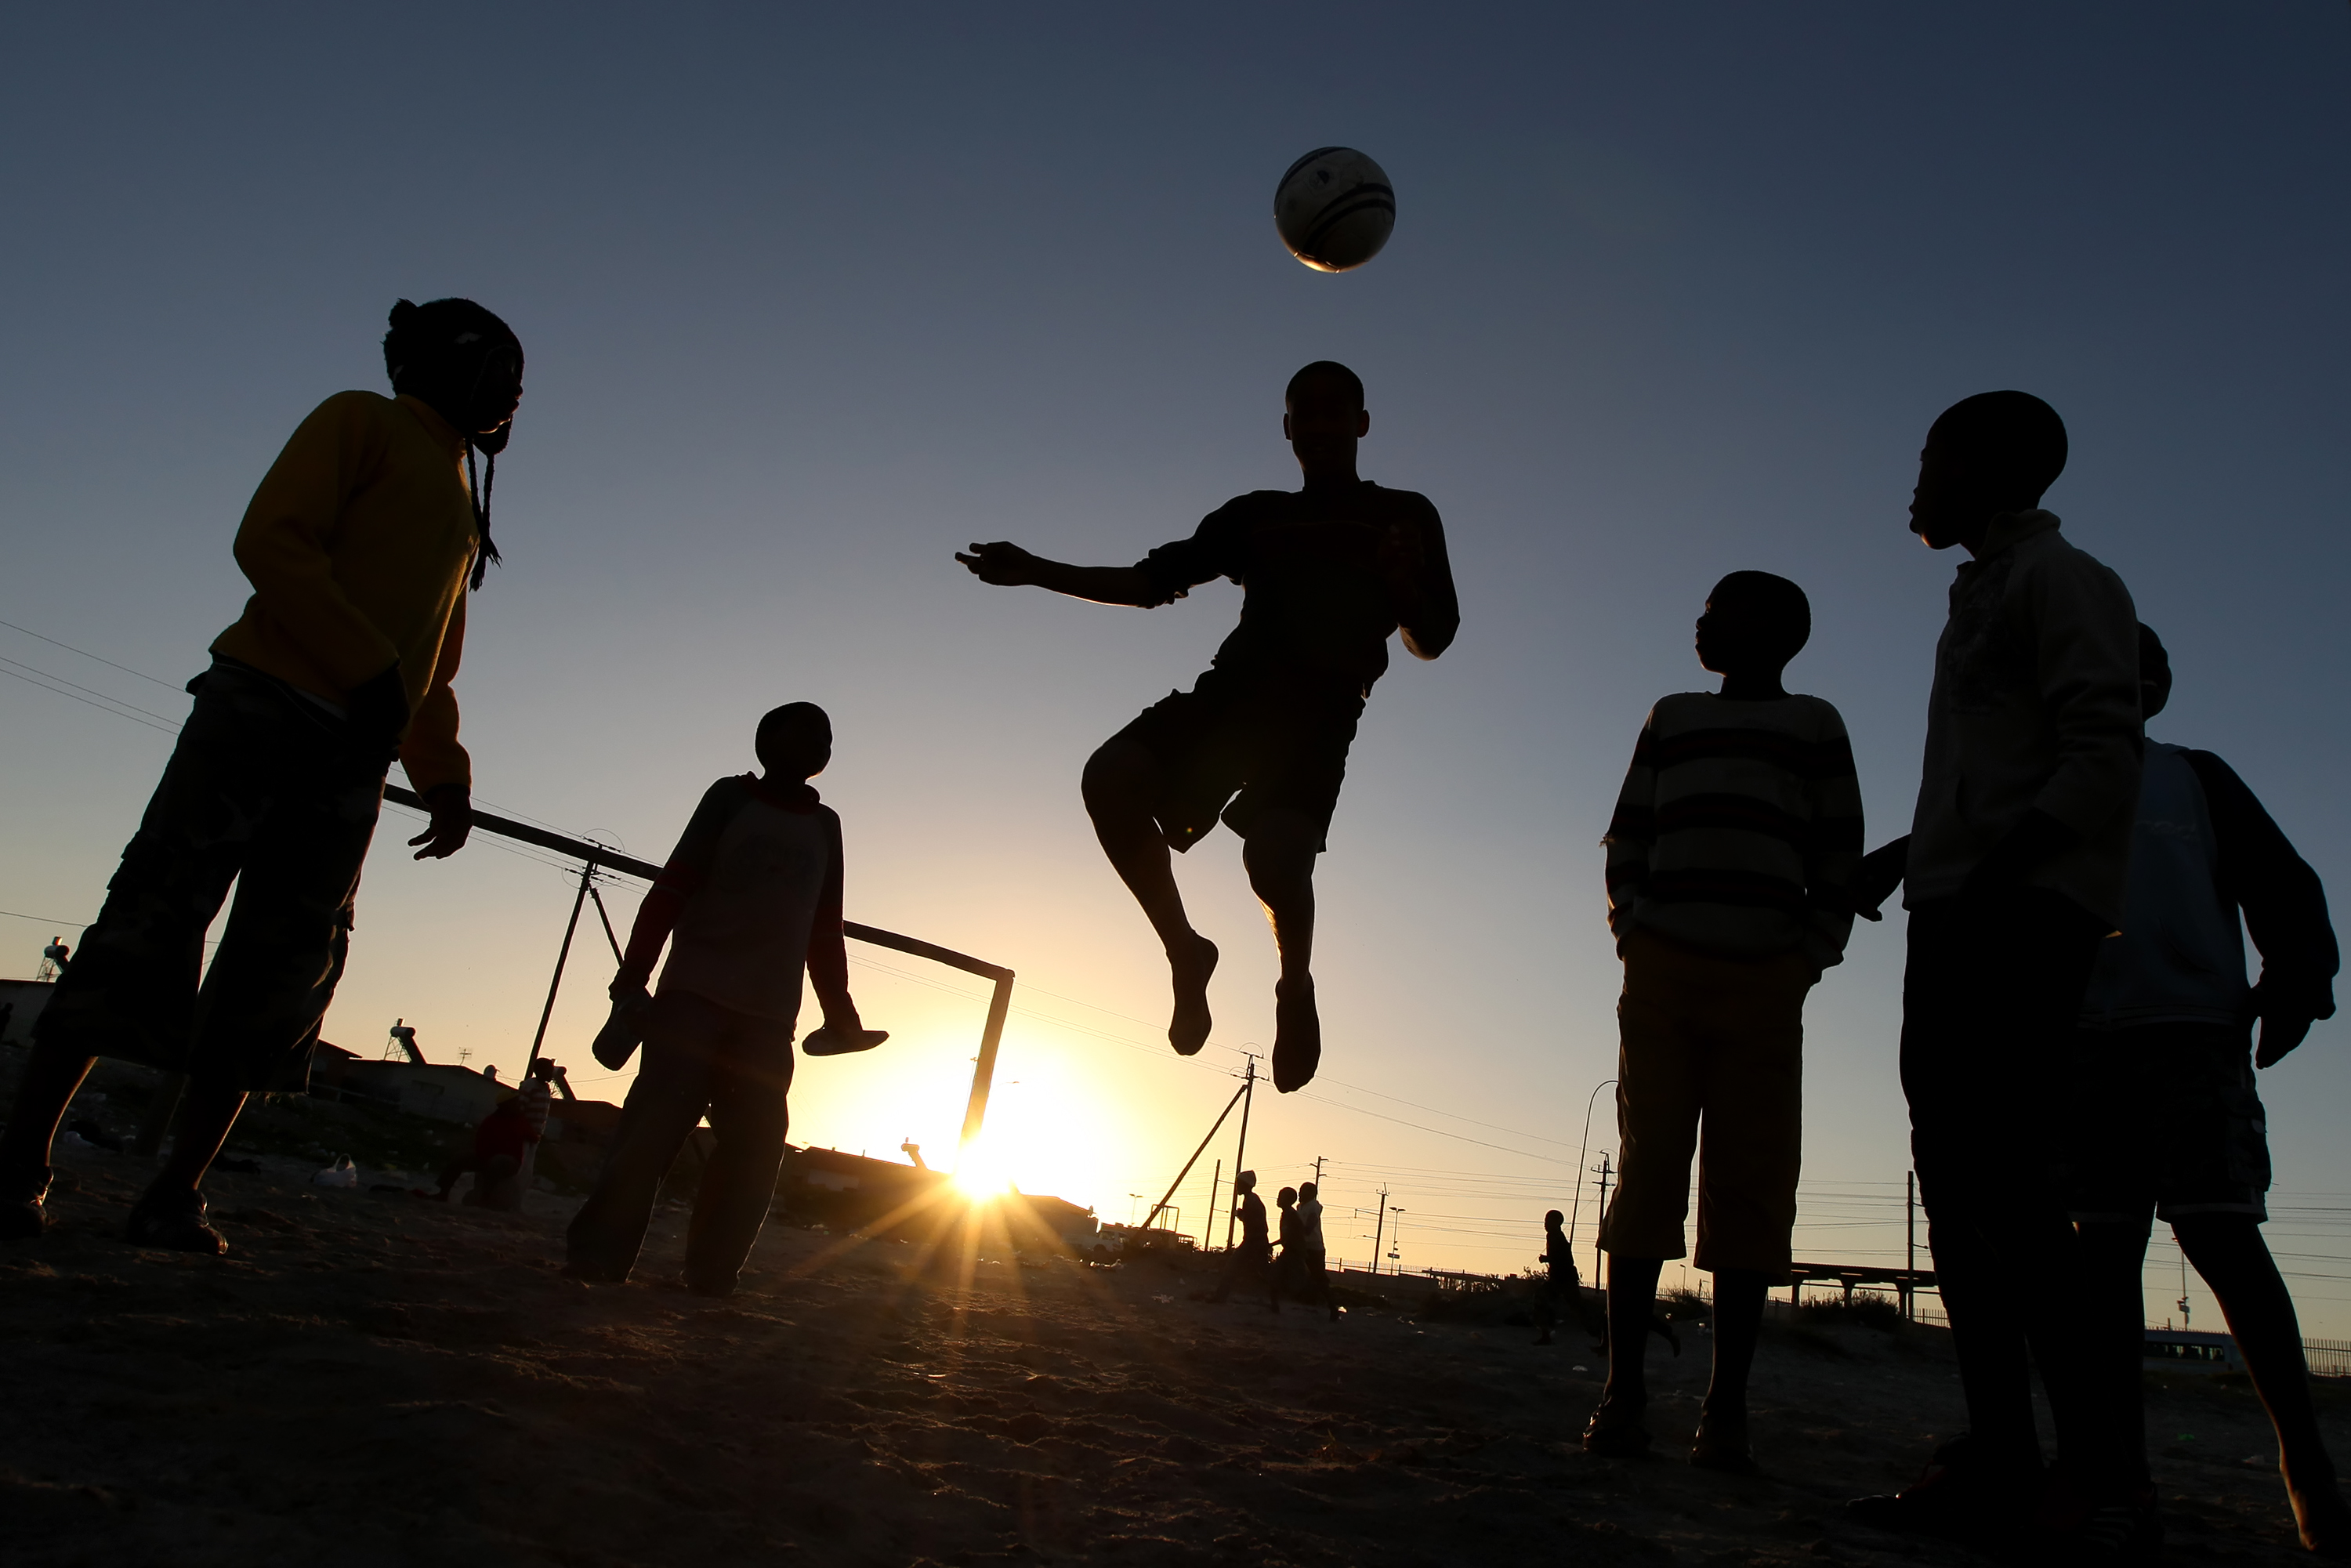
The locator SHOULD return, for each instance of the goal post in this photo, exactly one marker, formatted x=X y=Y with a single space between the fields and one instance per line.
x=593 y=855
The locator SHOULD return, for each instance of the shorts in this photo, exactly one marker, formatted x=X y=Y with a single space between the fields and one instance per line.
x=1717 y=1044
x=1235 y=745
x=2164 y=1120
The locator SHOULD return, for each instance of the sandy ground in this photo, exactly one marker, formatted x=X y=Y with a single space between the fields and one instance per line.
x=371 y=1379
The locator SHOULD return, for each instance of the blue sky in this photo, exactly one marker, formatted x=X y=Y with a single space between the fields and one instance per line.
x=811 y=300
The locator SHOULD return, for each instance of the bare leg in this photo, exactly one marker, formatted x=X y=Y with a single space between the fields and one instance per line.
x=1632 y=1301
x=1737 y=1324
x=1279 y=857
x=51 y=1080
x=2228 y=1251
x=1118 y=787
x=205 y=1119
x=2114 y=1329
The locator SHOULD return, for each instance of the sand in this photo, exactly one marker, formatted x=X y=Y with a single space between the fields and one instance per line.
x=374 y=1379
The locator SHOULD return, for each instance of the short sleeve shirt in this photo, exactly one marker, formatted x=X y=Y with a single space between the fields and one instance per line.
x=1316 y=603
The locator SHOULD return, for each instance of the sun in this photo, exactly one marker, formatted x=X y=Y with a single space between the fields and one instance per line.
x=980 y=1177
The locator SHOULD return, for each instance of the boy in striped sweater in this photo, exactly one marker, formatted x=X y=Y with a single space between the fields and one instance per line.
x=1729 y=858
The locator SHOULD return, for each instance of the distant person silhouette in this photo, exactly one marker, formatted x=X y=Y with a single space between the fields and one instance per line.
x=749 y=901
x=1251 y=1260
x=2015 y=865
x=1261 y=738
x=2165 y=1121
x=359 y=544
x=1561 y=1290
x=1730 y=860
x=493 y=1157
x=1305 y=1261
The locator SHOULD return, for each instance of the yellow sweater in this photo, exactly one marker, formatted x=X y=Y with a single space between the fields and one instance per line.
x=356 y=544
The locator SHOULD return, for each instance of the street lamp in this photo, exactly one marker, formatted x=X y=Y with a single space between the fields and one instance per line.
x=1582 y=1147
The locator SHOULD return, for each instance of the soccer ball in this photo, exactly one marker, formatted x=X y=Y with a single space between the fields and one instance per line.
x=1335 y=209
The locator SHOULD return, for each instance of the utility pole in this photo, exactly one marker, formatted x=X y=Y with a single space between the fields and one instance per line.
x=1318 y=1172
x=1605 y=1172
x=1910 y=1243
x=1208 y=1226
x=563 y=954
x=1240 y=1154
x=1379 y=1231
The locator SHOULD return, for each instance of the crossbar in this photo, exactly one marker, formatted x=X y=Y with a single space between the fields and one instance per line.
x=595 y=854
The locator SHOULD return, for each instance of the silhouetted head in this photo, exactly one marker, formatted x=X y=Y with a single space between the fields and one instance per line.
x=1992 y=453
x=1323 y=417
x=2154 y=674
x=1553 y=1220
x=1307 y=1191
x=462 y=360
x=1244 y=1182
x=1754 y=623
x=542 y=1068
x=1286 y=1197
x=794 y=741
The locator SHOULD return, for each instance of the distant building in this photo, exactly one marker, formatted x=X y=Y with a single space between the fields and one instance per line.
x=23 y=1001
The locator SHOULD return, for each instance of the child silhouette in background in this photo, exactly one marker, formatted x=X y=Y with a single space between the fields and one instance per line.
x=1252 y=1260
x=753 y=895
x=2165 y=1120
x=1561 y=1285
x=1728 y=862
x=1329 y=571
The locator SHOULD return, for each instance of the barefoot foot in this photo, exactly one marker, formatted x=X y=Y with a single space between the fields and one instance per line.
x=2320 y=1517
x=1187 y=1031
x=1297 y=1035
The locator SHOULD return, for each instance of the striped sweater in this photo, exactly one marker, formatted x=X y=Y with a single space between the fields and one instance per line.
x=1739 y=828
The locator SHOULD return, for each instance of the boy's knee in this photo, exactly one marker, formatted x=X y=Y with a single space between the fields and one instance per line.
x=1118 y=776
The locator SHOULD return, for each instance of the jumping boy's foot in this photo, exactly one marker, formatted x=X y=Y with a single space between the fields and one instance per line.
x=174 y=1222
x=1187 y=1031
x=22 y=1216
x=1618 y=1430
x=1297 y=1035
x=2320 y=1517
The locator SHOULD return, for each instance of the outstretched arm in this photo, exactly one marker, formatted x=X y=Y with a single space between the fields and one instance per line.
x=1006 y=565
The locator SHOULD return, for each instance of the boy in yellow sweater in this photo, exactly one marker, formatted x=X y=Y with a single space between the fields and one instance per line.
x=358 y=544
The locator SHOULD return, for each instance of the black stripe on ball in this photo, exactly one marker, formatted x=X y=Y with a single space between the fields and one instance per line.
x=1367 y=198
x=1302 y=163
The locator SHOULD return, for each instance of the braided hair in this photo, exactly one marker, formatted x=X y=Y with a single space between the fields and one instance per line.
x=439 y=352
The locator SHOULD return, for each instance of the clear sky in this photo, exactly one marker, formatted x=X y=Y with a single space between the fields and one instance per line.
x=811 y=301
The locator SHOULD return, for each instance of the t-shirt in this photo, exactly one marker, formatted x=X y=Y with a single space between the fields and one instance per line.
x=1253 y=1231
x=2202 y=849
x=1310 y=1223
x=752 y=895
x=1739 y=828
x=1317 y=602
x=1293 y=1231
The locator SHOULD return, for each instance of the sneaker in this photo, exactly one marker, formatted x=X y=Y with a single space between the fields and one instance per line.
x=2074 y=1528
x=1958 y=1495
x=176 y=1223
x=23 y=1214
x=1617 y=1430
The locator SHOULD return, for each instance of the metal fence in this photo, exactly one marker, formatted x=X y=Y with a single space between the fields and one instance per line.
x=2327 y=1357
